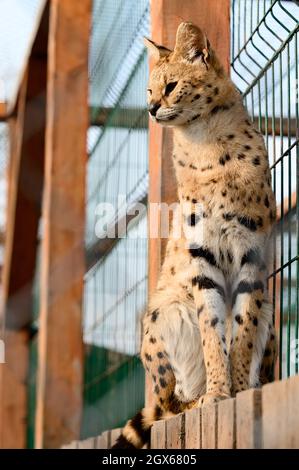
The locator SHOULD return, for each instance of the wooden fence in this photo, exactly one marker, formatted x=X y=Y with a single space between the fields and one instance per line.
x=267 y=418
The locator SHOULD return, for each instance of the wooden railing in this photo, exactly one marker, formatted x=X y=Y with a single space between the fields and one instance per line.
x=267 y=418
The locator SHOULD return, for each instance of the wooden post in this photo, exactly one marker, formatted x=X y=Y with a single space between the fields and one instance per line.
x=213 y=17
x=60 y=347
x=25 y=181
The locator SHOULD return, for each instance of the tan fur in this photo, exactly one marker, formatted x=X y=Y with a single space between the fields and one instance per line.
x=209 y=320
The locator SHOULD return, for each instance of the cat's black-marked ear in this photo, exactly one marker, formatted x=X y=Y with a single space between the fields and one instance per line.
x=192 y=44
x=155 y=50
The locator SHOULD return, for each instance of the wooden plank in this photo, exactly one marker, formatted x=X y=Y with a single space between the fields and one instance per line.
x=87 y=443
x=226 y=429
x=249 y=419
x=13 y=389
x=212 y=16
x=25 y=173
x=175 y=432
x=158 y=435
x=103 y=441
x=209 y=427
x=60 y=349
x=280 y=401
x=193 y=429
x=71 y=445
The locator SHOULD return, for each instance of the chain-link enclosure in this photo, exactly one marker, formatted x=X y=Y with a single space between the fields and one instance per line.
x=264 y=65
x=117 y=175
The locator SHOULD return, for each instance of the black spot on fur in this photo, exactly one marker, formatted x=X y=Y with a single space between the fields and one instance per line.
x=239 y=319
x=249 y=345
x=155 y=315
x=200 y=252
x=163 y=382
x=206 y=283
x=228 y=216
x=153 y=340
x=193 y=167
x=172 y=270
x=194 y=118
x=255 y=321
x=196 y=97
x=248 y=134
x=256 y=161
x=181 y=163
x=248 y=222
x=247 y=287
x=209 y=100
x=251 y=257
x=230 y=257
x=138 y=425
x=258 y=303
x=224 y=193
x=162 y=370
x=241 y=156
x=214 y=321
x=160 y=355
x=157 y=389
x=267 y=203
x=192 y=219
x=148 y=357
x=247 y=147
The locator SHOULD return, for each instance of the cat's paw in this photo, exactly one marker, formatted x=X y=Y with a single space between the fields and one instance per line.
x=211 y=399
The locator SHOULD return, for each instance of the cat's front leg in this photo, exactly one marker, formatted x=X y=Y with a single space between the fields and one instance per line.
x=252 y=323
x=209 y=296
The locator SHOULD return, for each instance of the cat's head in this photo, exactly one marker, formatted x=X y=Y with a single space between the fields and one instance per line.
x=184 y=83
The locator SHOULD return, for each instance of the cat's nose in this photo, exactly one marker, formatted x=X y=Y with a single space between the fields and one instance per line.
x=153 y=108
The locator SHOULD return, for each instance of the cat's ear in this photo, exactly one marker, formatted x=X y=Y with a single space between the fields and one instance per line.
x=155 y=50
x=192 y=44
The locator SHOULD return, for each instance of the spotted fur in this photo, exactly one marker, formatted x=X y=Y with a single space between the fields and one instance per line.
x=208 y=333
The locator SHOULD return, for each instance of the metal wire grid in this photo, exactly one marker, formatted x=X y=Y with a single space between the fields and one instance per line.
x=116 y=286
x=264 y=65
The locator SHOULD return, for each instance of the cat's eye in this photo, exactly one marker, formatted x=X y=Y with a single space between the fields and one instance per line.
x=170 y=87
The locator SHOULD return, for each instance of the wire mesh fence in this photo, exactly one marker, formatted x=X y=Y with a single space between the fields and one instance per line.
x=264 y=65
x=117 y=180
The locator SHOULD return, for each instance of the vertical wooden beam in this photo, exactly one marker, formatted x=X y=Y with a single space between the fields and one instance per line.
x=60 y=351
x=25 y=181
x=213 y=17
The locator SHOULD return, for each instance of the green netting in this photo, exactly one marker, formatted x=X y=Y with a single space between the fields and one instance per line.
x=116 y=282
x=264 y=65
x=33 y=357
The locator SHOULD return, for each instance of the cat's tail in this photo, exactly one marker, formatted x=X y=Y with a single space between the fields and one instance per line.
x=137 y=431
